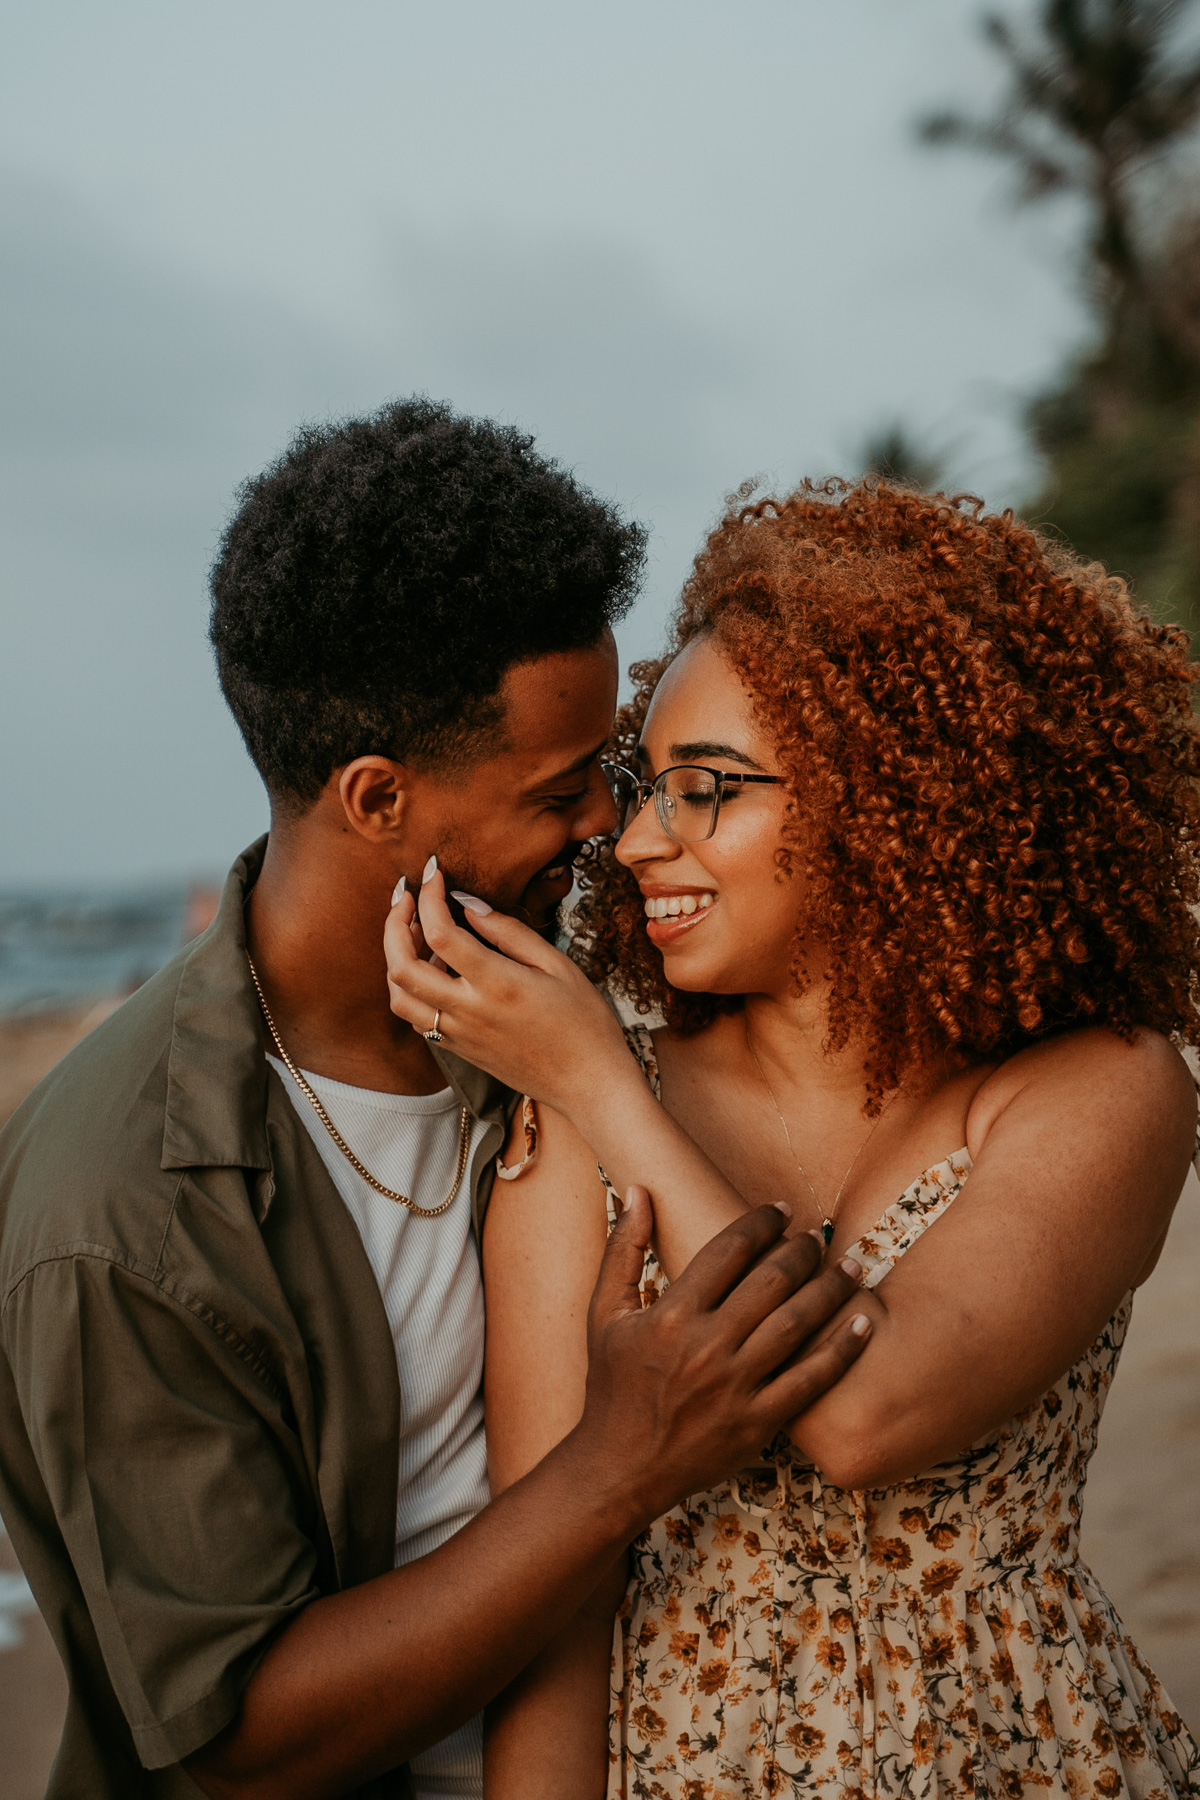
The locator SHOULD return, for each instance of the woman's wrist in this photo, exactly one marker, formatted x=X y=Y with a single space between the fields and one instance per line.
x=607 y=1088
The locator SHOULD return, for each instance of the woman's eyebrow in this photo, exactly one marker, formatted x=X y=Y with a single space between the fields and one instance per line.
x=686 y=753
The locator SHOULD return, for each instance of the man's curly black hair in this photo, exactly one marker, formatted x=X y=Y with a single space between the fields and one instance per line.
x=381 y=578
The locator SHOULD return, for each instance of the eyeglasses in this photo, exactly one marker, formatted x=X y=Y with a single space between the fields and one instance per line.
x=687 y=798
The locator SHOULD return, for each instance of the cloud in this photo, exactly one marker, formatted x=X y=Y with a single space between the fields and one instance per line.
x=132 y=399
x=131 y=386
x=583 y=336
x=136 y=396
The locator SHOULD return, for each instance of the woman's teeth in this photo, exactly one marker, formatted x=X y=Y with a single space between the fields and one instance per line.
x=672 y=906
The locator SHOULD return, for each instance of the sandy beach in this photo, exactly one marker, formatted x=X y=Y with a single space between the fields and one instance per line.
x=1141 y=1532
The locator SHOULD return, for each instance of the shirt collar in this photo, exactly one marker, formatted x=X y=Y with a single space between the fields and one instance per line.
x=216 y=1112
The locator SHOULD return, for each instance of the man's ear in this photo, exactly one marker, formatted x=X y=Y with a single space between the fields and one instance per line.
x=375 y=794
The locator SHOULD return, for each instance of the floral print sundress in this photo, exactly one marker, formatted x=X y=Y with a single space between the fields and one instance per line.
x=781 y=1636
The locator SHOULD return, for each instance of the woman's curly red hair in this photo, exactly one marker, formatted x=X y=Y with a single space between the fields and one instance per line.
x=992 y=765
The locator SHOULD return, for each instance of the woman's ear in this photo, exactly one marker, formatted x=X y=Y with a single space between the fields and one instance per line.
x=375 y=793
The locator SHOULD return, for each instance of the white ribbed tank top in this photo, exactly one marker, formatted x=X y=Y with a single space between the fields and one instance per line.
x=429 y=1277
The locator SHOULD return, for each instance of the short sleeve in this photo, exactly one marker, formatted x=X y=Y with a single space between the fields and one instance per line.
x=177 y=1484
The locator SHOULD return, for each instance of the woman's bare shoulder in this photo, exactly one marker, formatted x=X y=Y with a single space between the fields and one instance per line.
x=1123 y=1088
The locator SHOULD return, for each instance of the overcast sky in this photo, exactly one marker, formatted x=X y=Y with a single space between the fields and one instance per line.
x=682 y=243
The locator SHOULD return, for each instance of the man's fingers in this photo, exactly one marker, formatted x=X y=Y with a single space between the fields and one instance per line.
x=772 y=1281
x=618 y=1285
x=783 y=1330
x=725 y=1259
x=794 y=1389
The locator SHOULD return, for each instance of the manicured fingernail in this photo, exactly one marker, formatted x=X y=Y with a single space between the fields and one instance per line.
x=860 y=1324
x=399 y=891
x=784 y=1208
x=470 y=902
x=814 y=1231
x=430 y=870
x=849 y=1267
x=627 y=1202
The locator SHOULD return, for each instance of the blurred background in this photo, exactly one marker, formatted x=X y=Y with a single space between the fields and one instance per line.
x=682 y=244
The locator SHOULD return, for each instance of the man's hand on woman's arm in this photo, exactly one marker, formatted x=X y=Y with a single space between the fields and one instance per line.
x=677 y=1396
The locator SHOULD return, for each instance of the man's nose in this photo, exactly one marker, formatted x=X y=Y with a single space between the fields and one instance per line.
x=597 y=817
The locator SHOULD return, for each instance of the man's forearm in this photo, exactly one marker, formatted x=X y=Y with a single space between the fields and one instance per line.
x=364 y=1680
x=547 y=1734
x=677 y=1395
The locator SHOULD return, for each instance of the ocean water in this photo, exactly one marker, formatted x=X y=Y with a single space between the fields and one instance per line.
x=16 y=1604
x=58 y=948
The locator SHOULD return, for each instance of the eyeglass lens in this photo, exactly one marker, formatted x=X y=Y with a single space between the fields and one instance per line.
x=685 y=800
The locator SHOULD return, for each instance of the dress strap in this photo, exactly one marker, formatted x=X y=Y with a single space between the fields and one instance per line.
x=642 y=1045
x=909 y=1217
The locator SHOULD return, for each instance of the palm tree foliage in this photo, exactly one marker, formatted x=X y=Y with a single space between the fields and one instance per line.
x=897 y=455
x=1096 y=94
x=1101 y=103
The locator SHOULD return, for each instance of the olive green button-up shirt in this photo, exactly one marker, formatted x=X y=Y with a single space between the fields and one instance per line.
x=199 y=1399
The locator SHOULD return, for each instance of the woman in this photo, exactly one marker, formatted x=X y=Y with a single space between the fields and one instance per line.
x=907 y=864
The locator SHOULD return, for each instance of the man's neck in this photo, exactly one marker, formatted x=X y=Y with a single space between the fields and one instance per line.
x=314 y=925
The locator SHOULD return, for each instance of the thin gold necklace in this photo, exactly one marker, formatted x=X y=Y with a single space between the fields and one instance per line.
x=827 y=1218
x=464 y=1123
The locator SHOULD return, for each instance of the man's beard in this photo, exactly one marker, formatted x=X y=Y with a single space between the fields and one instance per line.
x=461 y=873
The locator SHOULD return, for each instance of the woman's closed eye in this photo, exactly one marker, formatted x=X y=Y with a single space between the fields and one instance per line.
x=698 y=794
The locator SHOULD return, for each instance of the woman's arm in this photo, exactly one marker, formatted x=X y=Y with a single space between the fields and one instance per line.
x=532 y=1019
x=546 y=1736
x=543 y=1240
x=1080 y=1148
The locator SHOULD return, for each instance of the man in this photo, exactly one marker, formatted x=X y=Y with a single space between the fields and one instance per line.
x=241 y=1437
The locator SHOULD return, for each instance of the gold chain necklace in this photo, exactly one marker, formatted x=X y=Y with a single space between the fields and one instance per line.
x=826 y=1218
x=464 y=1123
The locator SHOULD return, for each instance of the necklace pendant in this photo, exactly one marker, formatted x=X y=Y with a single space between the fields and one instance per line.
x=827 y=1230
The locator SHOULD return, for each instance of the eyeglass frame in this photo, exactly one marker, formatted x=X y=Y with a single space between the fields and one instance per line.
x=645 y=789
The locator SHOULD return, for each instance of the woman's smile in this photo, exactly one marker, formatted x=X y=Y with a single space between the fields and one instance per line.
x=673 y=911
x=702 y=709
